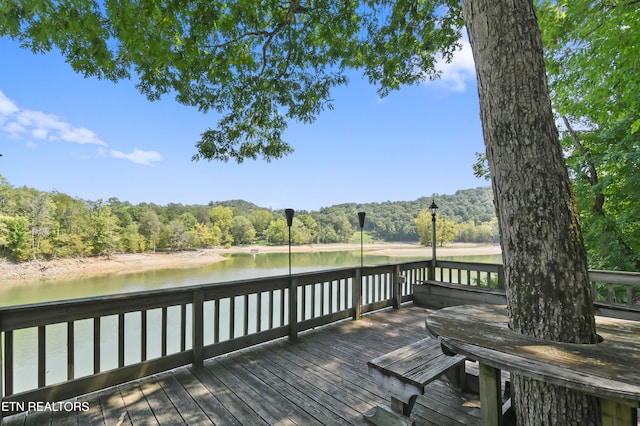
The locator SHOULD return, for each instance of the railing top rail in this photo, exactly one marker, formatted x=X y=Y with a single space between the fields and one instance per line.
x=616 y=277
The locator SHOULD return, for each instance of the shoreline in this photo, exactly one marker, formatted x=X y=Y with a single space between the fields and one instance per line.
x=84 y=267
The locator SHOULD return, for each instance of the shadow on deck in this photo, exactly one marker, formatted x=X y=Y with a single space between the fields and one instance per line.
x=321 y=379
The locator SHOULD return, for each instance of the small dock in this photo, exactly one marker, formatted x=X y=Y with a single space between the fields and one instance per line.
x=321 y=379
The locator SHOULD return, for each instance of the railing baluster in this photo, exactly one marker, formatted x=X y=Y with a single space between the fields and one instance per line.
x=8 y=362
x=271 y=309
x=331 y=296
x=216 y=321
x=259 y=312
x=42 y=355
x=183 y=327
x=70 y=350
x=120 y=340
x=163 y=332
x=245 y=322
x=143 y=335
x=232 y=317
x=96 y=345
x=282 y=305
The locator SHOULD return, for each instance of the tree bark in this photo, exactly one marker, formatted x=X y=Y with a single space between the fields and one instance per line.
x=548 y=291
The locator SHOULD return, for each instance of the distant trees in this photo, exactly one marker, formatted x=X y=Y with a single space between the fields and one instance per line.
x=448 y=230
x=38 y=224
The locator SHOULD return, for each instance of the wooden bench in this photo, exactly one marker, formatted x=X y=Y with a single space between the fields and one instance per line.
x=404 y=373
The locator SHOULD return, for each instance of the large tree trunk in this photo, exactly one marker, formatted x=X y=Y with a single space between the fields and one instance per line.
x=544 y=257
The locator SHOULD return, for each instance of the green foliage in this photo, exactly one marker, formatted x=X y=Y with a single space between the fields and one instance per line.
x=448 y=230
x=78 y=227
x=591 y=54
x=261 y=65
x=14 y=237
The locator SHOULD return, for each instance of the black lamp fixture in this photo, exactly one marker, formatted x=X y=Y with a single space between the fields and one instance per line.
x=361 y=216
x=289 y=215
x=433 y=208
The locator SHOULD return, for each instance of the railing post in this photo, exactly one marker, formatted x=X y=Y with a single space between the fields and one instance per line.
x=356 y=294
x=432 y=270
x=396 y=288
x=293 y=309
x=197 y=327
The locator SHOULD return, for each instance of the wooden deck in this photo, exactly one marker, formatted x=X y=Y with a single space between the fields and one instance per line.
x=321 y=379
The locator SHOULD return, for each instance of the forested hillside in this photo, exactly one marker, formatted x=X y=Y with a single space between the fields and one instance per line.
x=40 y=224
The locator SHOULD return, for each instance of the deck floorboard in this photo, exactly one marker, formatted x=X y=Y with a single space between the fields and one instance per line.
x=322 y=379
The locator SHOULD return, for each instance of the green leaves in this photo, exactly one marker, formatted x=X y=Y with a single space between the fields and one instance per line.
x=591 y=53
x=259 y=64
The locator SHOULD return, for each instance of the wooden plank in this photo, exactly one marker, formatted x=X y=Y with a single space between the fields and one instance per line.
x=442 y=406
x=292 y=391
x=197 y=399
x=136 y=404
x=269 y=411
x=332 y=380
x=113 y=407
x=327 y=394
x=37 y=418
x=93 y=415
x=161 y=405
x=227 y=397
x=263 y=390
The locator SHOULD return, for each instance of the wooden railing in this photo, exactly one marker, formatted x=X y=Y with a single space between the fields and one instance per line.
x=482 y=275
x=614 y=287
x=613 y=291
x=83 y=345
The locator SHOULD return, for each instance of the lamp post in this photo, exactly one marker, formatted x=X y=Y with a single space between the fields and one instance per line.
x=289 y=214
x=361 y=216
x=433 y=208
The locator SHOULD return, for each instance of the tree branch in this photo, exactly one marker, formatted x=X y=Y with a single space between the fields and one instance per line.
x=598 y=203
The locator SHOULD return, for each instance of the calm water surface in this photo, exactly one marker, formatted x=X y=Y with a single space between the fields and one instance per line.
x=237 y=267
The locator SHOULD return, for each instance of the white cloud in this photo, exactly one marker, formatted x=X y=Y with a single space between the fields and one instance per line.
x=455 y=75
x=146 y=158
x=7 y=107
x=16 y=123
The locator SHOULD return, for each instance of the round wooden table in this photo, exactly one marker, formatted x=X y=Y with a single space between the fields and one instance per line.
x=609 y=370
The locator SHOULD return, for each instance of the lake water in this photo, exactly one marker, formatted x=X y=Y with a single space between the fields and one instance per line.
x=237 y=267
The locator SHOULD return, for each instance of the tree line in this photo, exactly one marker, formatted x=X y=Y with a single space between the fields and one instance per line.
x=38 y=224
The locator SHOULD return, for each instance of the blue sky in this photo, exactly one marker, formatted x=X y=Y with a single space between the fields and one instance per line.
x=95 y=139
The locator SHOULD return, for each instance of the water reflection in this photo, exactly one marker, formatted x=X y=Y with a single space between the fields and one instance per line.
x=237 y=267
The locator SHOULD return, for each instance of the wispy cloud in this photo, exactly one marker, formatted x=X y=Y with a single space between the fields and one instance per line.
x=147 y=158
x=18 y=123
x=455 y=75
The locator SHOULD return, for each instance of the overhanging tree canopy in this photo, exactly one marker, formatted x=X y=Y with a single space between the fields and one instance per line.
x=264 y=64
x=260 y=64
